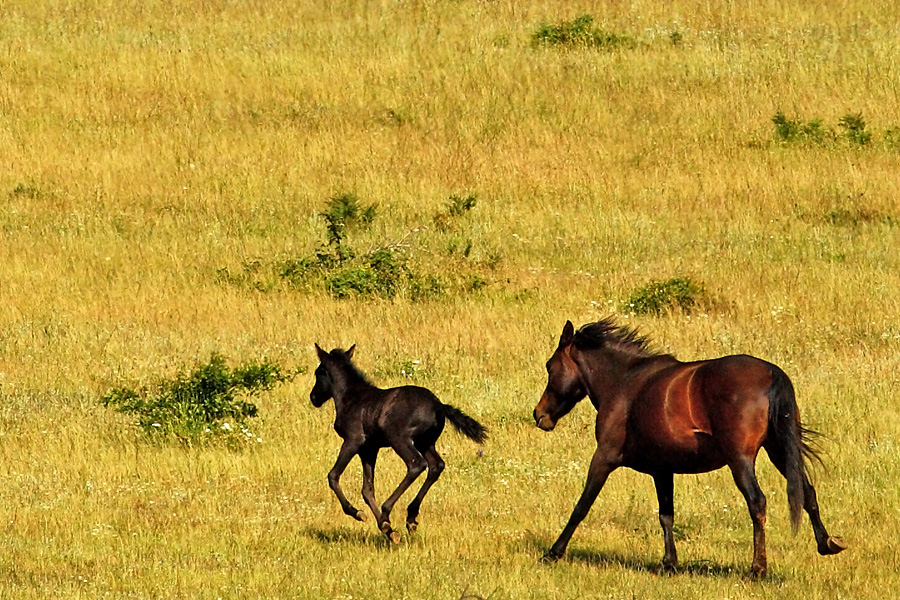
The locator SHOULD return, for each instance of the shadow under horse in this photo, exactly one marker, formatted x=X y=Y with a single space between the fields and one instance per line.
x=409 y=419
x=660 y=416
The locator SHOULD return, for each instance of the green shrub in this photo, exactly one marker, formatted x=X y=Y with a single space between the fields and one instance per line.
x=579 y=32
x=342 y=211
x=653 y=298
x=854 y=127
x=385 y=272
x=794 y=130
x=207 y=404
x=456 y=206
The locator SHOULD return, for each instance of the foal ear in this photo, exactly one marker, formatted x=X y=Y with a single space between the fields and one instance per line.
x=322 y=354
x=350 y=350
x=568 y=333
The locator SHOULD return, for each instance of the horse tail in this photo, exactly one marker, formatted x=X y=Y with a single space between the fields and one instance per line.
x=789 y=440
x=465 y=424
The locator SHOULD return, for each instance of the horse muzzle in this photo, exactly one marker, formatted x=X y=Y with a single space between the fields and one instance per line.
x=544 y=421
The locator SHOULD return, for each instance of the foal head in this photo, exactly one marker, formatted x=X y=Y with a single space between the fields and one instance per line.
x=327 y=372
x=564 y=384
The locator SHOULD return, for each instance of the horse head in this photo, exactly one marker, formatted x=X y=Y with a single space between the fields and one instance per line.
x=565 y=387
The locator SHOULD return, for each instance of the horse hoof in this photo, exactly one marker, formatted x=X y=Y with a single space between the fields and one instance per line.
x=394 y=537
x=411 y=527
x=757 y=572
x=549 y=558
x=666 y=568
x=833 y=545
x=360 y=516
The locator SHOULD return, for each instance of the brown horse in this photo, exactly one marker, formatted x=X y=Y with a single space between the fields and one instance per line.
x=408 y=419
x=660 y=416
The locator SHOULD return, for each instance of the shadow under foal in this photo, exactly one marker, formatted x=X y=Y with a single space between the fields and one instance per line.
x=408 y=419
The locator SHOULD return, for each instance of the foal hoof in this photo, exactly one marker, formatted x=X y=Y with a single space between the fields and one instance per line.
x=833 y=545
x=392 y=535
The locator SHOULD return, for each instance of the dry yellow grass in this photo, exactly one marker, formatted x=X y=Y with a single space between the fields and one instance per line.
x=146 y=146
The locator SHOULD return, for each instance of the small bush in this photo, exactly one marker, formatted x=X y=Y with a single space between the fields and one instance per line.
x=679 y=293
x=791 y=130
x=385 y=272
x=342 y=211
x=854 y=127
x=26 y=190
x=456 y=206
x=206 y=404
x=579 y=33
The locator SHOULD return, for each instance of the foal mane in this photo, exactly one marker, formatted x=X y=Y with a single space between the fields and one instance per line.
x=347 y=367
x=620 y=337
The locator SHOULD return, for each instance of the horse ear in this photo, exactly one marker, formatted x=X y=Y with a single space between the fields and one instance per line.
x=568 y=333
x=322 y=354
x=350 y=350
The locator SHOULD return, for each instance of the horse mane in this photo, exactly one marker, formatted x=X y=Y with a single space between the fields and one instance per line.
x=608 y=333
x=349 y=370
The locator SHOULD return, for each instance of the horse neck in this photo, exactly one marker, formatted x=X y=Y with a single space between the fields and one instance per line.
x=606 y=371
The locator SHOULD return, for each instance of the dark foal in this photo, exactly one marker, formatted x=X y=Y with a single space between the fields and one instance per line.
x=408 y=419
x=660 y=416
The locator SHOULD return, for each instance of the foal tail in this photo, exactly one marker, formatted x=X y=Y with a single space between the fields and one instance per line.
x=788 y=442
x=465 y=424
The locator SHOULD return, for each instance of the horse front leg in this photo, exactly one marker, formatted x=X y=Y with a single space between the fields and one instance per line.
x=347 y=452
x=597 y=474
x=665 y=491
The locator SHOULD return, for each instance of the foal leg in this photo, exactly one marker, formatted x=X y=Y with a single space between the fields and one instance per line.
x=347 y=452
x=415 y=464
x=744 y=472
x=665 y=491
x=435 y=468
x=368 y=456
x=597 y=474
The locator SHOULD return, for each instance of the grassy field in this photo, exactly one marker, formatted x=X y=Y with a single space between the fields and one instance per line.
x=165 y=170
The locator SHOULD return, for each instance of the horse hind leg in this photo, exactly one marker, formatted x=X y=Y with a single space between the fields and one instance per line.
x=825 y=544
x=744 y=473
x=435 y=468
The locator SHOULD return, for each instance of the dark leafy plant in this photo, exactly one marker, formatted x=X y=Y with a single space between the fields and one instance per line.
x=579 y=32
x=794 y=130
x=854 y=127
x=209 y=403
x=342 y=211
x=387 y=271
x=653 y=298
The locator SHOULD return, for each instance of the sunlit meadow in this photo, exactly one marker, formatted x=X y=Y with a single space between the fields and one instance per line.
x=165 y=169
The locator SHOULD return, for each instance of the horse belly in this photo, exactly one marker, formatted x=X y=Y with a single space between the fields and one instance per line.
x=695 y=452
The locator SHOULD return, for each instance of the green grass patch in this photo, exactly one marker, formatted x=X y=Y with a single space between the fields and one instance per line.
x=210 y=403
x=579 y=33
x=678 y=293
x=389 y=271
